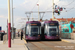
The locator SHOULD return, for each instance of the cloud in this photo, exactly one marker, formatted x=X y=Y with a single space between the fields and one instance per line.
x=26 y=5
x=2 y=16
x=3 y=22
x=26 y=1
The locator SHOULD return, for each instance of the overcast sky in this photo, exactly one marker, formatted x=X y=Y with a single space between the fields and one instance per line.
x=22 y=6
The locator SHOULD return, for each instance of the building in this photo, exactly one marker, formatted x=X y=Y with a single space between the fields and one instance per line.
x=65 y=26
x=64 y=20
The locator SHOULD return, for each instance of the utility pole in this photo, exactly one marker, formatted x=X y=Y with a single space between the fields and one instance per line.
x=38 y=12
x=12 y=23
x=9 y=25
x=66 y=17
x=53 y=10
x=32 y=16
x=28 y=17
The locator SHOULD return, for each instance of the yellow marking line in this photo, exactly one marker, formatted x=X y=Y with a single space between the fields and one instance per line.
x=25 y=41
x=4 y=42
x=65 y=41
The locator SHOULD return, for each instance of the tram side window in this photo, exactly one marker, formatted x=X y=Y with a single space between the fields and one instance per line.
x=40 y=30
x=66 y=30
x=46 y=29
x=27 y=30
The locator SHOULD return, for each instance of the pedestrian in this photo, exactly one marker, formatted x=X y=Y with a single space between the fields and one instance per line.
x=18 y=34
x=21 y=34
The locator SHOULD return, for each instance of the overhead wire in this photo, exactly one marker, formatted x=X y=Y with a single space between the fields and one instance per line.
x=64 y=5
x=51 y=6
x=35 y=5
x=70 y=9
x=69 y=3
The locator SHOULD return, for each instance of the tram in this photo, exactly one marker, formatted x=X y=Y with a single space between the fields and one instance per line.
x=33 y=30
x=50 y=30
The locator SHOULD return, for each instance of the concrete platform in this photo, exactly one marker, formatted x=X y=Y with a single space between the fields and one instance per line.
x=68 y=40
x=1 y=42
x=16 y=44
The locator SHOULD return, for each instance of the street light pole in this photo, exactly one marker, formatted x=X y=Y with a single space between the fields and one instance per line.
x=66 y=16
x=12 y=23
x=53 y=10
x=9 y=25
x=38 y=12
x=32 y=16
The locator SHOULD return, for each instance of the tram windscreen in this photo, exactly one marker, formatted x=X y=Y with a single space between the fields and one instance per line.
x=52 y=30
x=34 y=30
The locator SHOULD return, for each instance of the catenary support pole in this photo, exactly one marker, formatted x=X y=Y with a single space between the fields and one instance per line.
x=9 y=25
x=38 y=12
x=12 y=24
x=53 y=10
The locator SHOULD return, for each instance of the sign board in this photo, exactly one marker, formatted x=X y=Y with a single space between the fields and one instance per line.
x=65 y=26
x=0 y=28
x=74 y=29
x=71 y=26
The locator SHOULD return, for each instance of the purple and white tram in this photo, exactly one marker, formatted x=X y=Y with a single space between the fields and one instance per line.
x=33 y=30
x=51 y=30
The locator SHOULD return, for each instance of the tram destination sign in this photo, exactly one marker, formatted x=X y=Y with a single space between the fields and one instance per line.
x=53 y=24
x=35 y=24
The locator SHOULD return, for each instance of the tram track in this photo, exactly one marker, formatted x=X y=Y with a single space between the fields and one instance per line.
x=36 y=46
x=43 y=46
x=49 y=46
x=60 y=45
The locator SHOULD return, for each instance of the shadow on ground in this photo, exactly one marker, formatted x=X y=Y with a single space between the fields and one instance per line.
x=41 y=40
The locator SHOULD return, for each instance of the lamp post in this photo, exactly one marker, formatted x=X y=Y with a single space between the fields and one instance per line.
x=12 y=23
x=32 y=15
x=9 y=25
x=66 y=16
x=38 y=12
x=53 y=10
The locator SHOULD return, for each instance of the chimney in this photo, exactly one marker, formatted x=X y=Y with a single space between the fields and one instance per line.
x=62 y=17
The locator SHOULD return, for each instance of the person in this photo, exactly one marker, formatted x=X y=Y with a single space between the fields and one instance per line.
x=21 y=34
x=18 y=34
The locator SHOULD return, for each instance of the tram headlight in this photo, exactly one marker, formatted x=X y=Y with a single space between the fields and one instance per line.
x=56 y=35
x=38 y=35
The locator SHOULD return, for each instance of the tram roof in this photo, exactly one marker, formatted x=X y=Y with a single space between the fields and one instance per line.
x=51 y=22
x=32 y=22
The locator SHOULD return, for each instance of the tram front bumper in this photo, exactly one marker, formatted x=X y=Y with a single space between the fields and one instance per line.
x=33 y=38
x=51 y=37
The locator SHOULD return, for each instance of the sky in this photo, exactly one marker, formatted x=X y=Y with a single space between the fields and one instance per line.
x=22 y=6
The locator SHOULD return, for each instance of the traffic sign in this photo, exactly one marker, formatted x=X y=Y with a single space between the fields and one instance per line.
x=71 y=26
